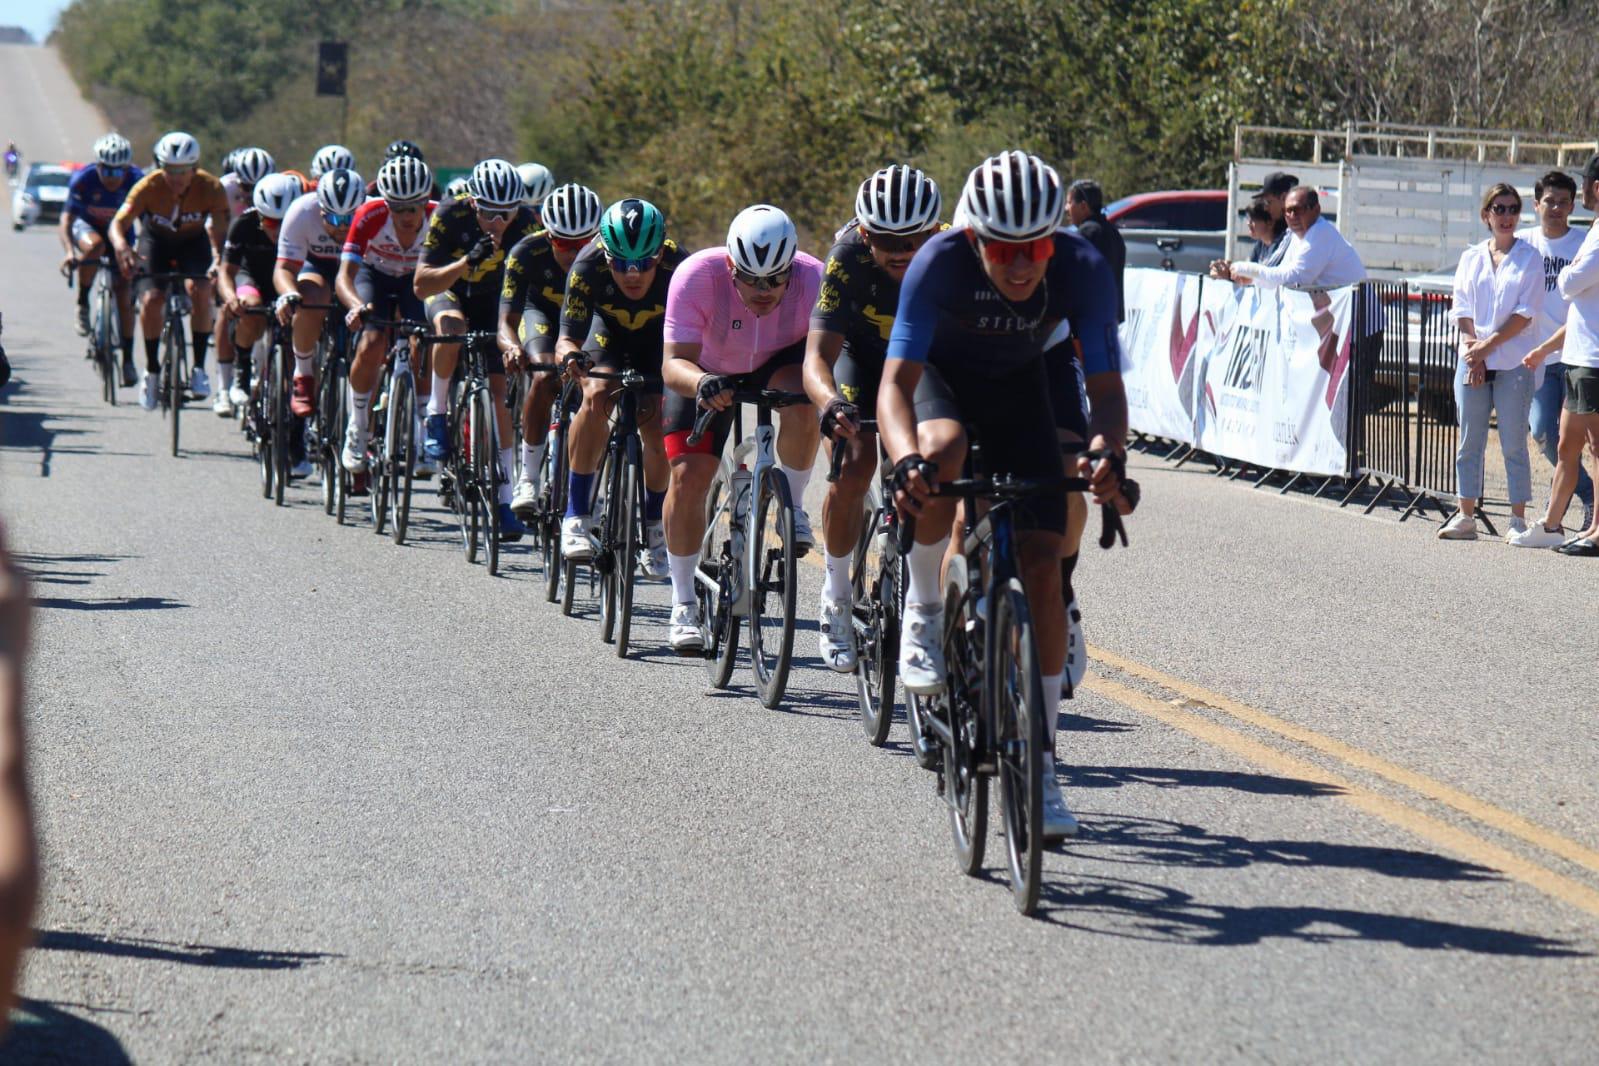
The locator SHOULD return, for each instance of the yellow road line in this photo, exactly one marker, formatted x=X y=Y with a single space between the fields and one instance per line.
x=1425 y=826
x=1484 y=812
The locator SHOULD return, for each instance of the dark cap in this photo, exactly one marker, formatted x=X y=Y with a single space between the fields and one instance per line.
x=1277 y=183
x=1590 y=173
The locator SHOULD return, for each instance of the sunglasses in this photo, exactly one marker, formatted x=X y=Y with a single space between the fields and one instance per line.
x=568 y=244
x=627 y=266
x=495 y=214
x=404 y=209
x=766 y=284
x=336 y=221
x=1003 y=253
x=1505 y=209
x=888 y=245
x=178 y=172
x=110 y=172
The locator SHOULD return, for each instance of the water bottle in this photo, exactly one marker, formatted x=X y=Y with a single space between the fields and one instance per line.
x=740 y=489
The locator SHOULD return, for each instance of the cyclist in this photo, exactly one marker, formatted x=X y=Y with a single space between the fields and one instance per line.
x=968 y=348
x=331 y=157
x=309 y=243
x=896 y=211
x=244 y=279
x=457 y=188
x=537 y=183
x=622 y=280
x=530 y=310
x=182 y=215
x=13 y=159
x=406 y=148
x=92 y=201
x=249 y=165
x=459 y=280
x=379 y=258
x=736 y=317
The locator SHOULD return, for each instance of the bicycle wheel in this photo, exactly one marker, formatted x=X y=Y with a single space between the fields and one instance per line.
x=379 y=475
x=400 y=450
x=335 y=453
x=772 y=598
x=172 y=369
x=485 y=486
x=107 y=336
x=875 y=581
x=1016 y=695
x=624 y=570
x=965 y=788
x=715 y=583
x=553 y=507
x=612 y=476
x=327 y=428
x=281 y=422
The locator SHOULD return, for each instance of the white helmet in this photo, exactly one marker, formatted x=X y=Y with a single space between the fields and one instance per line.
x=275 y=193
x=252 y=164
x=331 y=157
x=1013 y=196
x=898 y=200
x=537 y=183
x=572 y=212
x=456 y=188
x=762 y=241
x=340 y=191
x=495 y=183
x=177 y=149
x=405 y=179
x=113 y=150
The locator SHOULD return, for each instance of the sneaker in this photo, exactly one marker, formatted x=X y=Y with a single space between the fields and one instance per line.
x=223 y=408
x=1536 y=537
x=83 y=320
x=835 y=631
x=354 y=454
x=199 y=384
x=1459 y=527
x=804 y=539
x=1583 y=546
x=525 y=501
x=654 y=553
x=575 y=542
x=130 y=373
x=511 y=527
x=301 y=470
x=239 y=395
x=1076 y=647
x=684 y=635
x=436 y=446
x=303 y=402
x=921 y=650
x=149 y=383
x=1058 y=821
x=1518 y=526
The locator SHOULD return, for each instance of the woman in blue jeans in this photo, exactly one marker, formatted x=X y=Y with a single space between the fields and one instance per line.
x=1498 y=292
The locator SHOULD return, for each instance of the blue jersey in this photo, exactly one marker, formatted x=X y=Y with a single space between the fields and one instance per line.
x=90 y=200
x=951 y=316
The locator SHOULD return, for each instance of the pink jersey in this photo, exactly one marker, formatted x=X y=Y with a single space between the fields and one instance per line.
x=702 y=307
x=372 y=239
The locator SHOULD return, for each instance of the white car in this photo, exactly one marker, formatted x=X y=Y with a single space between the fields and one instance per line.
x=41 y=195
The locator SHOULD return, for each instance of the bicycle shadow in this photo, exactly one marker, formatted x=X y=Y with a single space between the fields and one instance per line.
x=170 y=951
x=42 y=1032
x=33 y=431
x=1077 y=776
x=114 y=603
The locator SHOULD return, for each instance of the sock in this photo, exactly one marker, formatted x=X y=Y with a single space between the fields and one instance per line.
x=1068 y=565
x=199 y=342
x=360 y=408
x=1051 y=687
x=797 y=480
x=682 y=567
x=83 y=295
x=439 y=401
x=836 y=586
x=304 y=363
x=127 y=349
x=581 y=487
x=653 y=502
x=224 y=376
x=507 y=464
x=152 y=355
x=924 y=561
x=533 y=462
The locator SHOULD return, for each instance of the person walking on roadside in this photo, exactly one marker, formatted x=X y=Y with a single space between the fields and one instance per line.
x=1498 y=294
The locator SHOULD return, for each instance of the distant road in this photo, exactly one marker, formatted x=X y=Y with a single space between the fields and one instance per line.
x=43 y=110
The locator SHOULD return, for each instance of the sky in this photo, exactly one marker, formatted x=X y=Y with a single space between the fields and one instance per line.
x=37 y=16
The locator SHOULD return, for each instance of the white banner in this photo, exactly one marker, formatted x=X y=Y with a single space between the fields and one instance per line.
x=1157 y=350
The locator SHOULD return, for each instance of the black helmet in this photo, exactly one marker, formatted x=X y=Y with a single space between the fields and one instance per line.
x=402 y=148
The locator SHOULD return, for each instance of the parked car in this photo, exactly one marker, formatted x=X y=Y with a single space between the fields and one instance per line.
x=1182 y=229
x=41 y=195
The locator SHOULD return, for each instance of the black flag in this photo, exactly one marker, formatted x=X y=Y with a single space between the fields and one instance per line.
x=332 y=64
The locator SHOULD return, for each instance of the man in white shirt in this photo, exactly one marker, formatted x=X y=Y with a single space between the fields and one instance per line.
x=1317 y=254
x=1578 y=284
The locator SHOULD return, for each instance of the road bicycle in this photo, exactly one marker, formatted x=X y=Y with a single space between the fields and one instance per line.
x=553 y=489
x=174 y=379
x=470 y=479
x=105 y=323
x=268 y=423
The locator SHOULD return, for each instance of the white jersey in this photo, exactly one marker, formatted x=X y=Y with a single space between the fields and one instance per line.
x=304 y=236
x=237 y=201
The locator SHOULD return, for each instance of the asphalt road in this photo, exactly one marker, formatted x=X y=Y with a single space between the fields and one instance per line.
x=306 y=796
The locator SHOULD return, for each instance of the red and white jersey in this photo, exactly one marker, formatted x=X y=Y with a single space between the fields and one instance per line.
x=373 y=240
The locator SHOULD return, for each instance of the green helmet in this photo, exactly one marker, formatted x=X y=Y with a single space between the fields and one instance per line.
x=632 y=229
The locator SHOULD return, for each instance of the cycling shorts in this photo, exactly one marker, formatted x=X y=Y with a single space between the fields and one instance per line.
x=82 y=231
x=858 y=381
x=1011 y=417
x=187 y=255
x=391 y=297
x=1067 y=394
x=539 y=333
x=482 y=316
x=321 y=270
x=246 y=284
x=678 y=413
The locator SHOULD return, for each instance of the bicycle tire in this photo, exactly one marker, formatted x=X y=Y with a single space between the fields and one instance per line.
x=554 y=499
x=485 y=486
x=335 y=451
x=379 y=474
x=282 y=423
x=625 y=568
x=172 y=352
x=327 y=414
x=720 y=626
x=402 y=450
x=612 y=475
x=874 y=580
x=965 y=788
x=772 y=646
x=568 y=582
x=1015 y=691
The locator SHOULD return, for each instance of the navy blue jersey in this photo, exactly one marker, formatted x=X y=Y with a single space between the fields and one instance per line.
x=951 y=316
x=90 y=200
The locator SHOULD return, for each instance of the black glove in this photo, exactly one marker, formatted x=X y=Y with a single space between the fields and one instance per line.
x=903 y=468
x=480 y=251
x=711 y=386
x=838 y=408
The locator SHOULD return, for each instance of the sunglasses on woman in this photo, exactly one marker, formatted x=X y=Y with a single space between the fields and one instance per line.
x=1505 y=209
x=766 y=284
x=1003 y=253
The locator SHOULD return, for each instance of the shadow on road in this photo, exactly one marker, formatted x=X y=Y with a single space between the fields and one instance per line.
x=115 y=603
x=41 y=1032
x=167 y=951
x=36 y=431
x=1171 y=777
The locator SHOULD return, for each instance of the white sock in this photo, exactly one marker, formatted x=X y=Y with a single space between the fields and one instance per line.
x=836 y=586
x=439 y=402
x=683 y=576
x=1052 y=684
x=924 y=561
x=360 y=409
x=797 y=480
x=305 y=363
x=507 y=458
x=225 y=376
x=533 y=462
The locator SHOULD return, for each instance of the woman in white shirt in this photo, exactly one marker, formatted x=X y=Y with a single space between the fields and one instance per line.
x=1498 y=293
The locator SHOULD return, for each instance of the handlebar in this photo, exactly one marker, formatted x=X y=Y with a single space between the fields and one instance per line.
x=836 y=464
x=773 y=398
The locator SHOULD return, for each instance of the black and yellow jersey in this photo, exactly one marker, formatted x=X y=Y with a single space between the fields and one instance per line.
x=857 y=299
x=533 y=278
x=591 y=291
x=451 y=235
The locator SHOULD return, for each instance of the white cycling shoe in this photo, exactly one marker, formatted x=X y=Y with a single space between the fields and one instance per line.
x=525 y=501
x=239 y=395
x=804 y=539
x=575 y=541
x=223 y=408
x=835 y=635
x=1058 y=820
x=354 y=455
x=684 y=634
x=148 y=384
x=199 y=384
x=921 y=651
x=654 y=554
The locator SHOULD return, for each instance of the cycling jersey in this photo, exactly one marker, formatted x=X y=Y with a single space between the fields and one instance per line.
x=251 y=249
x=90 y=200
x=702 y=307
x=951 y=316
x=451 y=235
x=633 y=324
x=533 y=278
x=303 y=235
x=152 y=202
x=373 y=240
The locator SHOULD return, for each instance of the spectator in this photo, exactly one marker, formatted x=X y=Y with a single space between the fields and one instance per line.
x=1554 y=195
x=1270 y=234
x=1274 y=190
x=1498 y=294
x=1316 y=253
x=1085 y=206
